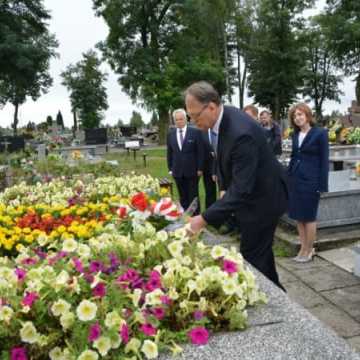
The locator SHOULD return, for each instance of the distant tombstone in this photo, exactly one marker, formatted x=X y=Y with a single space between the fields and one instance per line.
x=128 y=130
x=41 y=152
x=12 y=143
x=96 y=136
x=80 y=135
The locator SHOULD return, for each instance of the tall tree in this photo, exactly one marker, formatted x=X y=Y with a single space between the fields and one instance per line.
x=243 y=21
x=276 y=59
x=49 y=121
x=88 y=97
x=157 y=50
x=342 y=27
x=321 y=80
x=60 y=120
x=26 y=47
x=136 y=120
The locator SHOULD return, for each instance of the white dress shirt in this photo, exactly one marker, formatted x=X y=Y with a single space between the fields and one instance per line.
x=178 y=135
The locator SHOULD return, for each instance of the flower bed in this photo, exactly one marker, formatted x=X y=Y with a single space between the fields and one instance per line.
x=127 y=290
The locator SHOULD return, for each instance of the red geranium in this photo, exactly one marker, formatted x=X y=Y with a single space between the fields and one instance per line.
x=139 y=201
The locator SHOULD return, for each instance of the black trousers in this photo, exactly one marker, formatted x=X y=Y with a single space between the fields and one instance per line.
x=188 y=188
x=210 y=188
x=256 y=247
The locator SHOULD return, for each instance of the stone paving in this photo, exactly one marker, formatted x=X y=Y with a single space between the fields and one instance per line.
x=330 y=293
x=327 y=291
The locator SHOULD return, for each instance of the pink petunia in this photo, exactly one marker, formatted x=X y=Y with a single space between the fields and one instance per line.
x=30 y=298
x=29 y=261
x=148 y=329
x=18 y=353
x=165 y=300
x=96 y=266
x=153 y=284
x=229 y=266
x=99 y=290
x=94 y=332
x=124 y=333
x=158 y=312
x=20 y=273
x=199 y=336
x=78 y=265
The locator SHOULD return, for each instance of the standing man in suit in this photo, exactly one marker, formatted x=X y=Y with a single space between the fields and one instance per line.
x=185 y=158
x=252 y=178
x=209 y=171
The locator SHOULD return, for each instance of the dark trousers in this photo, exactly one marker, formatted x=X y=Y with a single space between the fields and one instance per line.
x=210 y=189
x=188 y=188
x=256 y=247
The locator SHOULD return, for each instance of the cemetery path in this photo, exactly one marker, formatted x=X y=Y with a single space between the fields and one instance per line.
x=330 y=293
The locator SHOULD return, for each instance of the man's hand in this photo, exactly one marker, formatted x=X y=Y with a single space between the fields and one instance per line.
x=196 y=224
x=199 y=173
x=222 y=193
x=170 y=173
x=214 y=178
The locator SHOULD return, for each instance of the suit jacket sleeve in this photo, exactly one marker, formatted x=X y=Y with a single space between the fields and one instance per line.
x=244 y=163
x=169 y=153
x=324 y=162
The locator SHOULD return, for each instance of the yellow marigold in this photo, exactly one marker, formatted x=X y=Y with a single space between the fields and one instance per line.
x=65 y=212
x=17 y=230
x=54 y=234
x=61 y=229
x=26 y=230
x=29 y=238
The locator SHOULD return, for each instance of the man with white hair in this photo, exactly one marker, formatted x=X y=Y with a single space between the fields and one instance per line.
x=185 y=158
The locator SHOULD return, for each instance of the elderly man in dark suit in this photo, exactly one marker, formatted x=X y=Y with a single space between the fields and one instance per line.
x=252 y=178
x=185 y=158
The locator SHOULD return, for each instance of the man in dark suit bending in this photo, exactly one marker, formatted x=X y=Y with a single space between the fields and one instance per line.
x=253 y=180
x=185 y=158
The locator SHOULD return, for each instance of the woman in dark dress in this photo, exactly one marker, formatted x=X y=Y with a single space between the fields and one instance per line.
x=308 y=175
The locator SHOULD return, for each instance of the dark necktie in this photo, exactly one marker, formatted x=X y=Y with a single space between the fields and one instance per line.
x=181 y=137
x=214 y=140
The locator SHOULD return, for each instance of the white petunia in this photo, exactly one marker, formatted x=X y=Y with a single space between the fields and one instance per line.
x=6 y=313
x=218 y=252
x=150 y=349
x=88 y=355
x=86 y=311
x=113 y=319
x=230 y=286
x=56 y=354
x=70 y=245
x=67 y=320
x=28 y=333
x=162 y=235
x=60 y=307
x=103 y=344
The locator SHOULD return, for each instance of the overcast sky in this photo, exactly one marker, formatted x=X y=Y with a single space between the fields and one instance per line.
x=78 y=30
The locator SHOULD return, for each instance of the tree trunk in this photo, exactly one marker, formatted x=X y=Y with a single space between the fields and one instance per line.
x=163 y=125
x=276 y=112
x=16 y=120
x=75 y=127
x=357 y=89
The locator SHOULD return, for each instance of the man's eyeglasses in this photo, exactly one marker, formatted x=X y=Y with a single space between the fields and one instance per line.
x=196 y=116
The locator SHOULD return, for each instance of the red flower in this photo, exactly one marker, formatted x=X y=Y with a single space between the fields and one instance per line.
x=139 y=201
x=122 y=212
